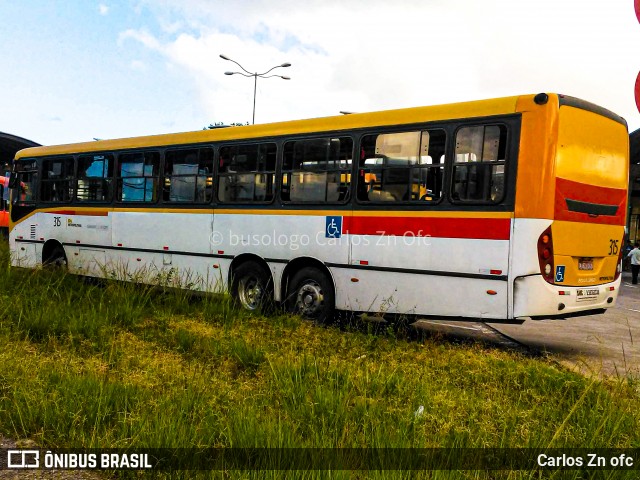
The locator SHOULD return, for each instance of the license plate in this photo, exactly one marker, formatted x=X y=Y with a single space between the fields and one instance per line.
x=587 y=294
x=585 y=264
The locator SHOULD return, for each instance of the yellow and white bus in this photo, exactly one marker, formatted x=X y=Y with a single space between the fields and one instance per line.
x=497 y=209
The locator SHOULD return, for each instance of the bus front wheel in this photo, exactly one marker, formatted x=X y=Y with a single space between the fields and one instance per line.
x=252 y=287
x=311 y=295
x=56 y=259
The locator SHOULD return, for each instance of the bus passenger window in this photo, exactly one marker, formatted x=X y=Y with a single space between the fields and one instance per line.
x=480 y=159
x=247 y=173
x=138 y=177
x=317 y=170
x=95 y=174
x=57 y=180
x=188 y=175
x=402 y=167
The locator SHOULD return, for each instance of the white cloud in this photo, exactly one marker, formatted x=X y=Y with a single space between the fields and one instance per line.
x=377 y=55
x=142 y=36
x=164 y=73
x=138 y=65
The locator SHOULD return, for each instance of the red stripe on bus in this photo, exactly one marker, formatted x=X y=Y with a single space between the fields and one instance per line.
x=582 y=192
x=63 y=212
x=477 y=228
x=90 y=213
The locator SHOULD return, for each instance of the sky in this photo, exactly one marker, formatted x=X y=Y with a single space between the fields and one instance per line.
x=74 y=70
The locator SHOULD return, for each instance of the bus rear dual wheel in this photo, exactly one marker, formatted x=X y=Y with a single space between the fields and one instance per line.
x=310 y=293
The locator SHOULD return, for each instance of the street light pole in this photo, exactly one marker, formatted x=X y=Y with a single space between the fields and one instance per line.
x=255 y=76
x=255 y=89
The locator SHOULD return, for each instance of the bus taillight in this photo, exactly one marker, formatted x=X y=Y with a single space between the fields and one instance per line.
x=619 y=265
x=545 y=255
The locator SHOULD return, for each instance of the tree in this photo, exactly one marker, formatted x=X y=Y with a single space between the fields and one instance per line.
x=223 y=125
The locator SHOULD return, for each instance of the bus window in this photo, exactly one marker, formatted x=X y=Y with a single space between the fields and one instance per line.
x=478 y=172
x=95 y=174
x=247 y=173
x=138 y=177
x=57 y=179
x=402 y=167
x=24 y=182
x=188 y=175
x=317 y=170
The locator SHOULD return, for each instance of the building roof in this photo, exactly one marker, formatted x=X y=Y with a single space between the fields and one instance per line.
x=10 y=144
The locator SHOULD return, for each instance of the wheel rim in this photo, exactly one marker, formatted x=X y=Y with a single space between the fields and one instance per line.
x=59 y=262
x=250 y=292
x=310 y=299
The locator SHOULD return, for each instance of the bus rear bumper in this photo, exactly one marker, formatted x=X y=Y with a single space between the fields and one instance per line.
x=534 y=297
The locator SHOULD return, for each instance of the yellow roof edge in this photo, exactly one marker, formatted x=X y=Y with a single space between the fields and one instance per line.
x=477 y=108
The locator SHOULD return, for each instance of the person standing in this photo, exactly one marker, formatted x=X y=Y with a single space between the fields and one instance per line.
x=635 y=262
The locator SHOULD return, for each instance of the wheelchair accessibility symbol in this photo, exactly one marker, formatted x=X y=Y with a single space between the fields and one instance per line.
x=560 y=273
x=333 y=227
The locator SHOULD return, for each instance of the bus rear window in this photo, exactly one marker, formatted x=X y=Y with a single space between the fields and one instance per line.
x=577 y=159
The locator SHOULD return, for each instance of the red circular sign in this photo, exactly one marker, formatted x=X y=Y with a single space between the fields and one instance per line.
x=636 y=91
x=636 y=4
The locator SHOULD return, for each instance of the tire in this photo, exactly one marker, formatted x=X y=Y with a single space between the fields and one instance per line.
x=311 y=295
x=252 y=287
x=57 y=259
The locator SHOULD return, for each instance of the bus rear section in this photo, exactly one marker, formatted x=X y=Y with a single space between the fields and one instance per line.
x=578 y=251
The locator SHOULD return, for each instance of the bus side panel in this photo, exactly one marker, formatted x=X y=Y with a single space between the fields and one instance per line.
x=279 y=239
x=525 y=269
x=526 y=232
x=26 y=255
x=538 y=140
x=155 y=247
x=86 y=235
x=432 y=275
x=420 y=294
x=58 y=224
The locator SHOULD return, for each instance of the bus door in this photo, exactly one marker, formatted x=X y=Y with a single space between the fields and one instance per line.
x=85 y=229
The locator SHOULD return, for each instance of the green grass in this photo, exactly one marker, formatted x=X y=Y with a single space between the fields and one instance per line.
x=123 y=365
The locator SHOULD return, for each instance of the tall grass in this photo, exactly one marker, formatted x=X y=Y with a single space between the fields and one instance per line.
x=125 y=365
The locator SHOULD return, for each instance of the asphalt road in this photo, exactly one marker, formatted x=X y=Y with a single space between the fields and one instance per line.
x=607 y=344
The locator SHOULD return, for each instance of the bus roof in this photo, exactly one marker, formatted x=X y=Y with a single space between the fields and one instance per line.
x=478 y=108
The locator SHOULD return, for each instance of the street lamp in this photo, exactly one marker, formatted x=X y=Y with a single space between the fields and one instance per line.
x=255 y=78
